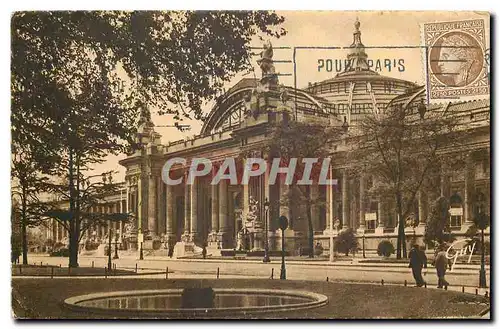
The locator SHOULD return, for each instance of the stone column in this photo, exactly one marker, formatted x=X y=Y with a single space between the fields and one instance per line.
x=121 y=223
x=468 y=189
x=58 y=237
x=169 y=229
x=127 y=197
x=187 y=211
x=214 y=189
x=469 y=176
x=315 y=211
x=139 y=205
x=194 y=210
x=345 y=201
x=245 y=197
x=422 y=215
x=381 y=217
x=362 y=204
x=329 y=208
x=160 y=207
x=285 y=206
x=152 y=216
x=223 y=218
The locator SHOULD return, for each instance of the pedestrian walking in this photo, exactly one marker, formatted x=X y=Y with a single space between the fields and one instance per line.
x=417 y=261
x=441 y=263
x=204 y=251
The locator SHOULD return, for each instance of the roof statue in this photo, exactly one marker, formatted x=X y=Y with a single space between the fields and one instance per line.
x=269 y=77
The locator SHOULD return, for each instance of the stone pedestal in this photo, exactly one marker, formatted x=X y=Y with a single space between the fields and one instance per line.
x=186 y=249
x=379 y=230
x=420 y=229
x=258 y=239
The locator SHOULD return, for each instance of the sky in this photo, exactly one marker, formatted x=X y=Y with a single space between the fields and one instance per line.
x=391 y=29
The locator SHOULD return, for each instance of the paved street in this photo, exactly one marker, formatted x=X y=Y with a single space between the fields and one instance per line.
x=296 y=270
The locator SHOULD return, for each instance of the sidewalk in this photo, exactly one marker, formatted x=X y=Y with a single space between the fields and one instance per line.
x=354 y=264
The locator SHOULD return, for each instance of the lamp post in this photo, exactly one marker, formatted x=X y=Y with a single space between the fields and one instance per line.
x=109 y=247
x=266 y=242
x=481 y=221
x=283 y=225
x=116 y=247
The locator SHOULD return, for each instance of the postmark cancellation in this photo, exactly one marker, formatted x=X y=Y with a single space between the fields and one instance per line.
x=456 y=60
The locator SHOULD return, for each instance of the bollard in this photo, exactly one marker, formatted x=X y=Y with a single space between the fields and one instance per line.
x=135 y=267
x=51 y=272
x=60 y=266
x=463 y=289
x=476 y=291
x=20 y=269
x=326 y=279
x=405 y=283
x=41 y=264
x=217 y=272
x=115 y=268
x=272 y=273
x=486 y=294
x=92 y=264
x=166 y=273
x=446 y=287
x=382 y=282
x=105 y=272
x=425 y=284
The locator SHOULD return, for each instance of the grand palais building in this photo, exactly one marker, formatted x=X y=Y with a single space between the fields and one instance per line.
x=185 y=217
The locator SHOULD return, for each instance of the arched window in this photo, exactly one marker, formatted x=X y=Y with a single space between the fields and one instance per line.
x=456 y=211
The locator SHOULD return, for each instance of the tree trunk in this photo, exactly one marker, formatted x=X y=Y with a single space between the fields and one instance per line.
x=401 y=243
x=73 y=243
x=24 y=221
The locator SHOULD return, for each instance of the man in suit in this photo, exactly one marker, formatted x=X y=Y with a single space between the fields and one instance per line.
x=417 y=261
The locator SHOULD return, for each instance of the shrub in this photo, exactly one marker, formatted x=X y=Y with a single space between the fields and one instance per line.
x=346 y=242
x=63 y=252
x=90 y=245
x=385 y=248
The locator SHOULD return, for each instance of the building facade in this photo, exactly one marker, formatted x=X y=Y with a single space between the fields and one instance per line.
x=227 y=216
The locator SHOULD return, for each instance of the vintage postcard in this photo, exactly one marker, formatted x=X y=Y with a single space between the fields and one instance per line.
x=250 y=165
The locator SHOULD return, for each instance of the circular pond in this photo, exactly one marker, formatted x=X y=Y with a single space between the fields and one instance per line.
x=169 y=302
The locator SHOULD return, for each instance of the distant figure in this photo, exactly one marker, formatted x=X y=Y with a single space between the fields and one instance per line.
x=441 y=262
x=204 y=251
x=417 y=261
x=171 y=251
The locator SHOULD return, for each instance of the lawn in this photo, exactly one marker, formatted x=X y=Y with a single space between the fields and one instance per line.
x=43 y=298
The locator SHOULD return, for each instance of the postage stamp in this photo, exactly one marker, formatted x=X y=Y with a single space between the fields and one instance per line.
x=456 y=63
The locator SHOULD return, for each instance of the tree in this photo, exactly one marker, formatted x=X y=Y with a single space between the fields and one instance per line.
x=65 y=64
x=26 y=191
x=437 y=230
x=346 y=242
x=304 y=140
x=402 y=151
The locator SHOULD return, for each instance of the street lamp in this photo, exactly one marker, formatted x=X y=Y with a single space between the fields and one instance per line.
x=109 y=247
x=116 y=247
x=266 y=242
x=482 y=224
x=283 y=226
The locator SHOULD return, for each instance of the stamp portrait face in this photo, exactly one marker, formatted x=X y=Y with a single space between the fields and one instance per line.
x=455 y=59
